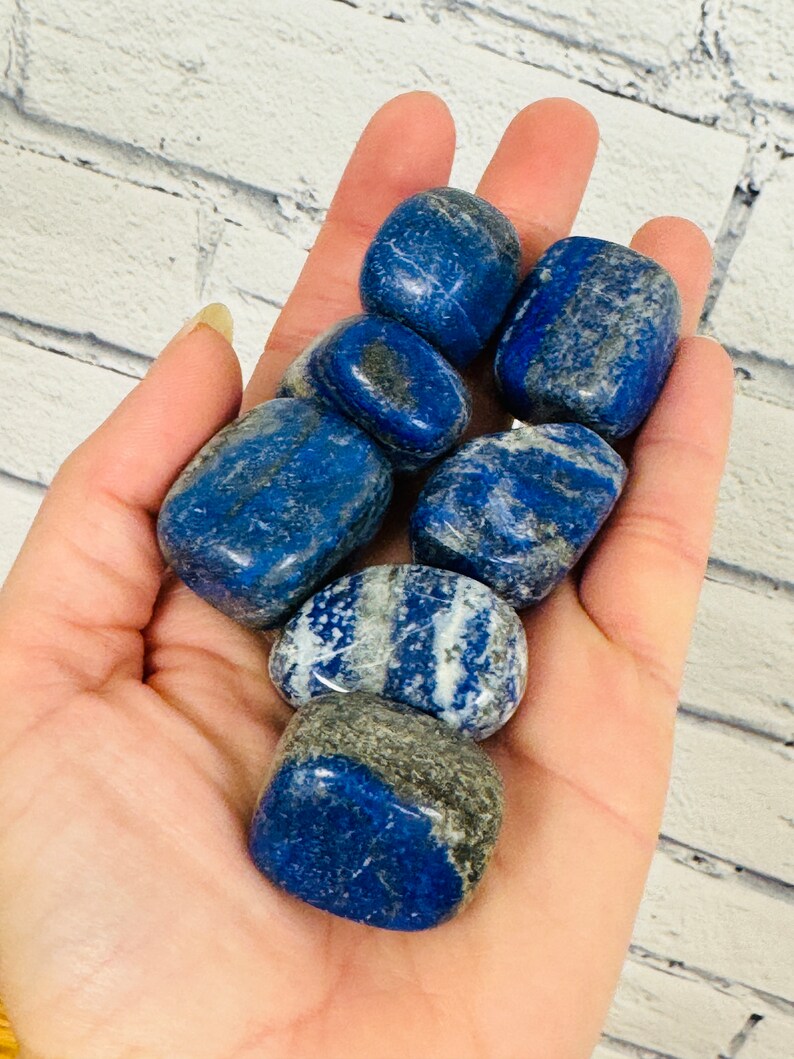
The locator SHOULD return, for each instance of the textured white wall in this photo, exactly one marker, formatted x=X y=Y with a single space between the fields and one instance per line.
x=154 y=157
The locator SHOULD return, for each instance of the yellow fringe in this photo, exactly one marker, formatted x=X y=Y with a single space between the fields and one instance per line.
x=8 y=1042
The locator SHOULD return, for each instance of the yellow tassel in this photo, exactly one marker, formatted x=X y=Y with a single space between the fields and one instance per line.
x=8 y=1042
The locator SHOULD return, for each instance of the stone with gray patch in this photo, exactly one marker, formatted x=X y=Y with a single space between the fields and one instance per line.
x=377 y=813
x=390 y=382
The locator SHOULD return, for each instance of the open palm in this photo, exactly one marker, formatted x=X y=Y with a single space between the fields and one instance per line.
x=136 y=723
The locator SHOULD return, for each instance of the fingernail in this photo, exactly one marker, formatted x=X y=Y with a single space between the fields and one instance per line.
x=709 y=338
x=216 y=316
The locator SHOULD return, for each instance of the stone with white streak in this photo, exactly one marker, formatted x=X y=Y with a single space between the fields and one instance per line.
x=429 y=638
x=167 y=94
x=517 y=510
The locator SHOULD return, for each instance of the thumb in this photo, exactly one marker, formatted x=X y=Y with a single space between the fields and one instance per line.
x=86 y=579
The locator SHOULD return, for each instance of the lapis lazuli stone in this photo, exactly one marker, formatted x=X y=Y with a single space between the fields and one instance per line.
x=377 y=813
x=432 y=639
x=390 y=382
x=270 y=506
x=445 y=263
x=590 y=337
x=517 y=510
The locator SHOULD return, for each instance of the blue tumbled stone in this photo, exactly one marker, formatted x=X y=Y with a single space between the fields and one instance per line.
x=517 y=510
x=429 y=638
x=390 y=382
x=445 y=263
x=590 y=337
x=270 y=506
x=377 y=813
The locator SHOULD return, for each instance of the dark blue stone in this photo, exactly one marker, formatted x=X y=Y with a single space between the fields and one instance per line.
x=445 y=263
x=590 y=337
x=377 y=813
x=517 y=510
x=270 y=506
x=390 y=382
x=429 y=638
x=335 y=835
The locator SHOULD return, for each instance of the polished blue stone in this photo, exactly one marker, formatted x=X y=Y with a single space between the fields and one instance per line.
x=390 y=382
x=590 y=337
x=377 y=813
x=270 y=506
x=432 y=639
x=334 y=834
x=445 y=263
x=517 y=510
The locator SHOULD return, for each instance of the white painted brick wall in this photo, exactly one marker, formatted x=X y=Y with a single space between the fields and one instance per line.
x=63 y=399
x=648 y=34
x=7 y=12
x=756 y=37
x=89 y=254
x=689 y=1013
x=755 y=519
x=154 y=159
x=752 y=316
x=739 y=665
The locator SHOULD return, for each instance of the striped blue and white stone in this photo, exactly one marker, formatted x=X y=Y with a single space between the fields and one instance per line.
x=433 y=639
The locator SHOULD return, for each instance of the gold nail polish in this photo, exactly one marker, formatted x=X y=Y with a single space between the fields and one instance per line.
x=217 y=316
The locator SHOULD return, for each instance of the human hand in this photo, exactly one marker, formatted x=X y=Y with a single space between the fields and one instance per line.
x=137 y=722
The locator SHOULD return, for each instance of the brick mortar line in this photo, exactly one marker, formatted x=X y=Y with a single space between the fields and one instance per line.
x=27 y=485
x=718 y=867
x=739 y=1039
x=185 y=173
x=689 y=972
x=75 y=345
x=282 y=211
x=751 y=580
x=763 y=377
x=702 y=715
x=643 y=77
x=634 y=1050
x=16 y=70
